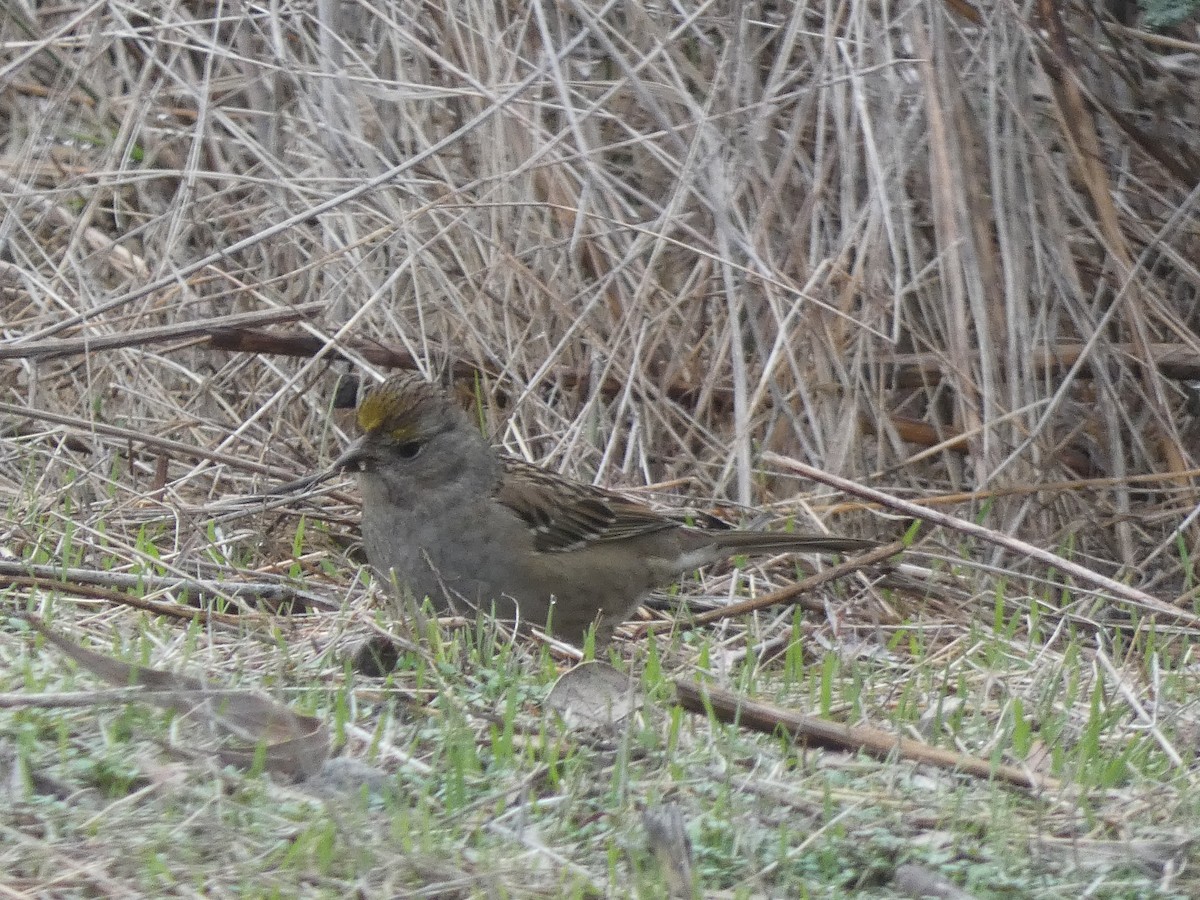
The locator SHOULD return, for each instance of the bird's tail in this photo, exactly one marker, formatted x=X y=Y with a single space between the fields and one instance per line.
x=782 y=542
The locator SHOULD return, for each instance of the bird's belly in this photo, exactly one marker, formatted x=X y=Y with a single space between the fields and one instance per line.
x=458 y=571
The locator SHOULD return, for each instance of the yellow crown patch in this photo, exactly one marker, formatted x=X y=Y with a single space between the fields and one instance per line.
x=395 y=406
x=372 y=411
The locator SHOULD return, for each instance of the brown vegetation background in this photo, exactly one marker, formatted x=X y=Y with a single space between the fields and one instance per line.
x=944 y=248
x=666 y=242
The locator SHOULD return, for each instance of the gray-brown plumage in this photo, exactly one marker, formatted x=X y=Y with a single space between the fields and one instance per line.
x=450 y=518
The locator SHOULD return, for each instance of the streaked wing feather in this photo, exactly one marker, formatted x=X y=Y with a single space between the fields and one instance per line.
x=565 y=515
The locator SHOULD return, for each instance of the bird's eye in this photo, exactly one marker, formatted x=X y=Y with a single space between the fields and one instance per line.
x=409 y=449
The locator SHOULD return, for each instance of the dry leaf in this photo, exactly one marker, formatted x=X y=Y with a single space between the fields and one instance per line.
x=291 y=744
x=593 y=695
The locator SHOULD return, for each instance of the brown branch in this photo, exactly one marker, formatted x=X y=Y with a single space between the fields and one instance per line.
x=810 y=731
x=914 y=431
x=171 y=610
x=1081 y=574
x=197 y=328
x=792 y=594
x=134 y=437
x=245 y=340
x=274 y=593
x=1177 y=361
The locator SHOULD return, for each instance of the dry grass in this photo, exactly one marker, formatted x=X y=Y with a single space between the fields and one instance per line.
x=657 y=242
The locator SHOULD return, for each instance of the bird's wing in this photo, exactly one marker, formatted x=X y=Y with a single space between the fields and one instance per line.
x=566 y=515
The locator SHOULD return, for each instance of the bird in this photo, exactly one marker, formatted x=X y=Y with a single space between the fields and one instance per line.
x=447 y=516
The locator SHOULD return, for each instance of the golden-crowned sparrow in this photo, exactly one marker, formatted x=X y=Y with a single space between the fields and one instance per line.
x=447 y=517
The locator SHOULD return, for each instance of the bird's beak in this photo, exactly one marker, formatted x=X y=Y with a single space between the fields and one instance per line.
x=352 y=459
